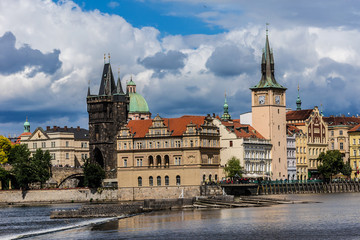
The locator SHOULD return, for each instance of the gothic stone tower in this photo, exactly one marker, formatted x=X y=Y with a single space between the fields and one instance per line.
x=107 y=114
x=269 y=112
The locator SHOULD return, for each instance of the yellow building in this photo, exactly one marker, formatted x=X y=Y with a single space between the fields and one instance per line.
x=354 y=141
x=311 y=142
x=167 y=157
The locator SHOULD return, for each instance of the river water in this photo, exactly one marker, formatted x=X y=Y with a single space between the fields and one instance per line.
x=328 y=216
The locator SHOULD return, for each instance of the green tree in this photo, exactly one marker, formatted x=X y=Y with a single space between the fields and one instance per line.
x=5 y=147
x=233 y=167
x=346 y=170
x=331 y=163
x=29 y=170
x=93 y=174
x=42 y=162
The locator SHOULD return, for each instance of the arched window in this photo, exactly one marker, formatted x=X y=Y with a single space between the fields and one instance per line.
x=204 y=178
x=151 y=161
x=158 y=180
x=216 y=177
x=158 y=160
x=151 y=181
x=167 y=161
x=167 y=180
x=178 y=180
x=210 y=178
x=139 y=181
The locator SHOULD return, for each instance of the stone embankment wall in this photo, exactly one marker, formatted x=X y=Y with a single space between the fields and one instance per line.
x=121 y=209
x=59 y=195
x=319 y=187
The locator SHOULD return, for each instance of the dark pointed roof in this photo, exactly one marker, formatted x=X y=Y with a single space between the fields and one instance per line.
x=267 y=69
x=119 y=89
x=107 y=85
x=298 y=114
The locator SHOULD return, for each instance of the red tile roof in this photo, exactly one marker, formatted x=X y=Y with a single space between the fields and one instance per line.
x=298 y=114
x=18 y=140
x=342 y=120
x=355 y=129
x=176 y=126
x=291 y=129
x=242 y=130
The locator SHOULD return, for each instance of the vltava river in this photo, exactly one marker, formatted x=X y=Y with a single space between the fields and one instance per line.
x=335 y=216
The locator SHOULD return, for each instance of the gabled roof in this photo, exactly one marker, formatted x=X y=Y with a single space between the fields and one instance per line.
x=241 y=130
x=298 y=114
x=176 y=126
x=341 y=120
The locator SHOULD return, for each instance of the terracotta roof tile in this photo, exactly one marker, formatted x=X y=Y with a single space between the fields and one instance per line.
x=355 y=129
x=298 y=114
x=242 y=130
x=342 y=120
x=176 y=126
x=18 y=140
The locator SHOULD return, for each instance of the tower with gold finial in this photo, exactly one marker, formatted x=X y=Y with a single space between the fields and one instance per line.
x=268 y=102
x=226 y=116
x=298 y=100
x=108 y=112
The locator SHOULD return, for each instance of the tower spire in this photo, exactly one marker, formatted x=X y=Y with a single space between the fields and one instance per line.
x=26 y=125
x=298 y=100
x=119 y=89
x=267 y=68
x=226 y=116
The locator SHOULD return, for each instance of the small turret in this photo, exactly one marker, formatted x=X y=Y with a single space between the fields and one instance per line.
x=298 y=100
x=26 y=126
x=226 y=116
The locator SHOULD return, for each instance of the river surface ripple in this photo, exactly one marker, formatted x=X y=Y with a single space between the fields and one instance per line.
x=333 y=216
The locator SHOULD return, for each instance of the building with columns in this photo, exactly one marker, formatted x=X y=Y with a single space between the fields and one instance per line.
x=268 y=103
x=167 y=157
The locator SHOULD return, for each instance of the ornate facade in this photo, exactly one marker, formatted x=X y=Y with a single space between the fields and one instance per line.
x=172 y=154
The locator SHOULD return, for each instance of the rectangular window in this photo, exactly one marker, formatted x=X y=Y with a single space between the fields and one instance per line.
x=354 y=164
x=231 y=143
x=125 y=162
x=354 y=152
x=178 y=160
x=332 y=146
x=125 y=146
x=341 y=132
x=177 y=143
x=332 y=133
x=67 y=155
x=43 y=144
x=85 y=155
x=158 y=144
x=53 y=156
x=67 y=144
x=359 y=140
x=139 y=162
x=53 y=144
x=150 y=144
x=35 y=145
x=191 y=143
x=354 y=142
x=119 y=146
x=341 y=145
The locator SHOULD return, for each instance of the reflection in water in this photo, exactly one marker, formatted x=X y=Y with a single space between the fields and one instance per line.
x=329 y=216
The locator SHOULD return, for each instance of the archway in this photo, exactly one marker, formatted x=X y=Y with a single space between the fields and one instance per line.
x=98 y=157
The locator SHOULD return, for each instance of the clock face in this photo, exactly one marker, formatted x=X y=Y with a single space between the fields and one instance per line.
x=277 y=99
x=261 y=99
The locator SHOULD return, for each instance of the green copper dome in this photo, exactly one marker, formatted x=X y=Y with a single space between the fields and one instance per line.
x=138 y=103
x=26 y=126
x=131 y=83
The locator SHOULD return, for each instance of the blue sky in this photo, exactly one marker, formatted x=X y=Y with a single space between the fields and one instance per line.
x=182 y=54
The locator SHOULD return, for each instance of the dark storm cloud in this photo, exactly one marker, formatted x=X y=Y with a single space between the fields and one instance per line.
x=13 y=60
x=229 y=60
x=171 y=61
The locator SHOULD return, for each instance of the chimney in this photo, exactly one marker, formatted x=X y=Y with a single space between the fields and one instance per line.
x=55 y=127
x=65 y=128
x=78 y=128
x=47 y=128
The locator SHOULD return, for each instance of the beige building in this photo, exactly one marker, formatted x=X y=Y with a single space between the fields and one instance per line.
x=67 y=146
x=354 y=142
x=268 y=102
x=312 y=141
x=167 y=157
x=338 y=128
x=248 y=145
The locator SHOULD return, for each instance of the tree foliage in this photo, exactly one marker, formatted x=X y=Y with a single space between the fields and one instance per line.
x=233 y=167
x=93 y=174
x=29 y=170
x=346 y=170
x=331 y=163
x=5 y=147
